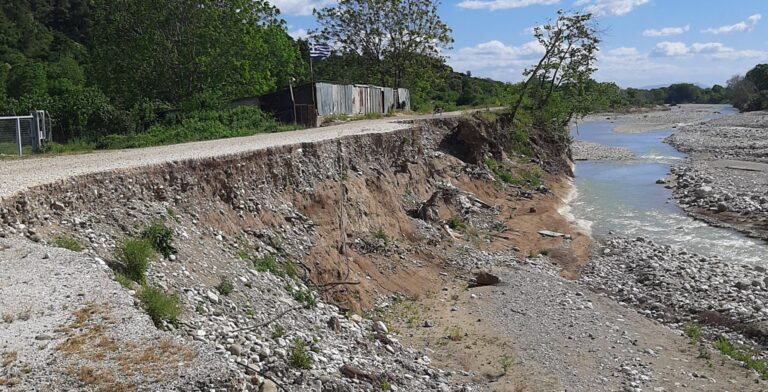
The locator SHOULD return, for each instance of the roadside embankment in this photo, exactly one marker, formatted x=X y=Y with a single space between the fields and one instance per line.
x=272 y=252
x=725 y=182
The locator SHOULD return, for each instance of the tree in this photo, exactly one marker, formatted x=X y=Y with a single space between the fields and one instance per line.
x=570 y=45
x=682 y=93
x=390 y=35
x=174 y=50
x=739 y=91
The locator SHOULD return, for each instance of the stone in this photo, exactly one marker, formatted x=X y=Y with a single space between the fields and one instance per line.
x=235 y=349
x=268 y=386
x=430 y=324
x=380 y=327
x=212 y=297
x=486 y=279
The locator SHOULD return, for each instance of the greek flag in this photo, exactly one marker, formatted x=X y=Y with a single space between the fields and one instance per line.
x=319 y=51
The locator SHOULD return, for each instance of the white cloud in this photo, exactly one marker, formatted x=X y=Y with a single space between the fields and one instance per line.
x=666 y=31
x=495 y=59
x=742 y=26
x=710 y=50
x=670 y=49
x=494 y=5
x=299 y=33
x=610 y=7
x=300 y=7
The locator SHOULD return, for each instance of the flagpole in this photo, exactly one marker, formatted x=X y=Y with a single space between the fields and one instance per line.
x=314 y=91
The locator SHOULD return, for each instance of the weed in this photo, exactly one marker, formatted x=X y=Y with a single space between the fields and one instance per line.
x=225 y=287
x=161 y=238
x=384 y=385
x=299 y=357
x=455 y=223
x=693 y=331
x=160 y=306
x=67 y=242
x=455 y=334
x=200 y=309
x=278 y=332
x=726 y=347
x=123 y=280
x=505 y=361
x=267 y=263
x=135 y=254
x=243 y=254
x=289 y=268
x=305 y=297
x=380 y=234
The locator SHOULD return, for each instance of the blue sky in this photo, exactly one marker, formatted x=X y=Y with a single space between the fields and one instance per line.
x=645 y=42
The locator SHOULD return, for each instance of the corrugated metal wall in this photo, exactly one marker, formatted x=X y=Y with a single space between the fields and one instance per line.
x=357 y=99
x=389 y=100
x=404 y=99
x=334 y=99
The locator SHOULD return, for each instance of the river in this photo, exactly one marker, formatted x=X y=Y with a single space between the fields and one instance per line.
x=622 y=197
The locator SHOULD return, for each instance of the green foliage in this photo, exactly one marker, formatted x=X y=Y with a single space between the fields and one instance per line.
x=269 y=264
x=123 y=280
x=161 y=238
x=289 y=268
x=456 y=223
x=693 y=331
x=299 y=356
x=305 y=297
x=225 y=286
x=278 y=332
x=505 y=361
x=135 y=254
x=160 y=306
x=382 y=235
x=748 y=359
x=67 y=242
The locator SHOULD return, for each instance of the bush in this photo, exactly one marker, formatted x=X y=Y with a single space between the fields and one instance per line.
x=135 y=254
x=305 y=297
x=225 y=287
x=267 y=263
x=161 y=238
x=123 y=280
x=67 y=242
x=299 y=357
x=160 y=306
x=455 y=223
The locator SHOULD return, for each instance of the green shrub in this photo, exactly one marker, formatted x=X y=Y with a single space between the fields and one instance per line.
x=267 y=263
x=67 y=242
x=455 y=223
x=278 y=332
x=161 y=238
x=135 y=254
x=693 y=331
x=382 y=235
x=160 y=306
x=299 y=357
x=225 y=287
x=290 y=269
x=305 y=297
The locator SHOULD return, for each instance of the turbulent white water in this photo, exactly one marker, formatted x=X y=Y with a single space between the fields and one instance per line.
x=623 y=198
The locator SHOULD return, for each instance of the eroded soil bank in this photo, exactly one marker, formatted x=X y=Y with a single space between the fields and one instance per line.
x=307 y=236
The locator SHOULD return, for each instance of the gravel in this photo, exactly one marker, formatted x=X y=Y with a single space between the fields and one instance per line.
x=725 y=181
x=586 y=151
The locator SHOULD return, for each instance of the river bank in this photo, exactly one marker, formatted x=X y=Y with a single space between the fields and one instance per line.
x=725 y=182
x=653 y=119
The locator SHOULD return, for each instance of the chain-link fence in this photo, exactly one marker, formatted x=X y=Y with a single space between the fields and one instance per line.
x=10 y=130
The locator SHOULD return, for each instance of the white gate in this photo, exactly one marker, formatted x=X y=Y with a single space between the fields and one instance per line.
x=24 y=133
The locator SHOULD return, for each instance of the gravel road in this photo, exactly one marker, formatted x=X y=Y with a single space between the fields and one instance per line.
x=18 y=175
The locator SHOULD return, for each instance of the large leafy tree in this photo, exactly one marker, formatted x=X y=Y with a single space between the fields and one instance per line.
x=559 y=80
x=174 y=50
x=391 y=36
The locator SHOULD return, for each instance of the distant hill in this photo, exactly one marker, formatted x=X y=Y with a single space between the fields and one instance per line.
x=699 y=85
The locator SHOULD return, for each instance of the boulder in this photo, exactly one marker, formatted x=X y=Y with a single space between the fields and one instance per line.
x=485 y=279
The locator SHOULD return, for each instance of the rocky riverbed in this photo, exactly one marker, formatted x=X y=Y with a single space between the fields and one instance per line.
x=586 y=151
x=725 y=181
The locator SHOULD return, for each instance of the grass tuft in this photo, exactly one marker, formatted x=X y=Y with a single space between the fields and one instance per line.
x=225 y=287
x=299 y=356
x=693 y=331
x=750 y=361
x=160 y=306
x=123 y=280
x=67 y=242
x=135 y=254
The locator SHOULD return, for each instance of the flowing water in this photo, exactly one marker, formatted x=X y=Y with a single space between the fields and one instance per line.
x=623 y=197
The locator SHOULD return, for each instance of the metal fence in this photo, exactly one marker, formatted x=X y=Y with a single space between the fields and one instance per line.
x=20 y=135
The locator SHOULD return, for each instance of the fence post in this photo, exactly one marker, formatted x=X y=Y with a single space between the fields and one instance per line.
x=34 y=130
x=18 y=136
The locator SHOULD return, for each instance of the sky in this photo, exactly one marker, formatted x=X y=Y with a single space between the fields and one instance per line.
x=644 y=42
